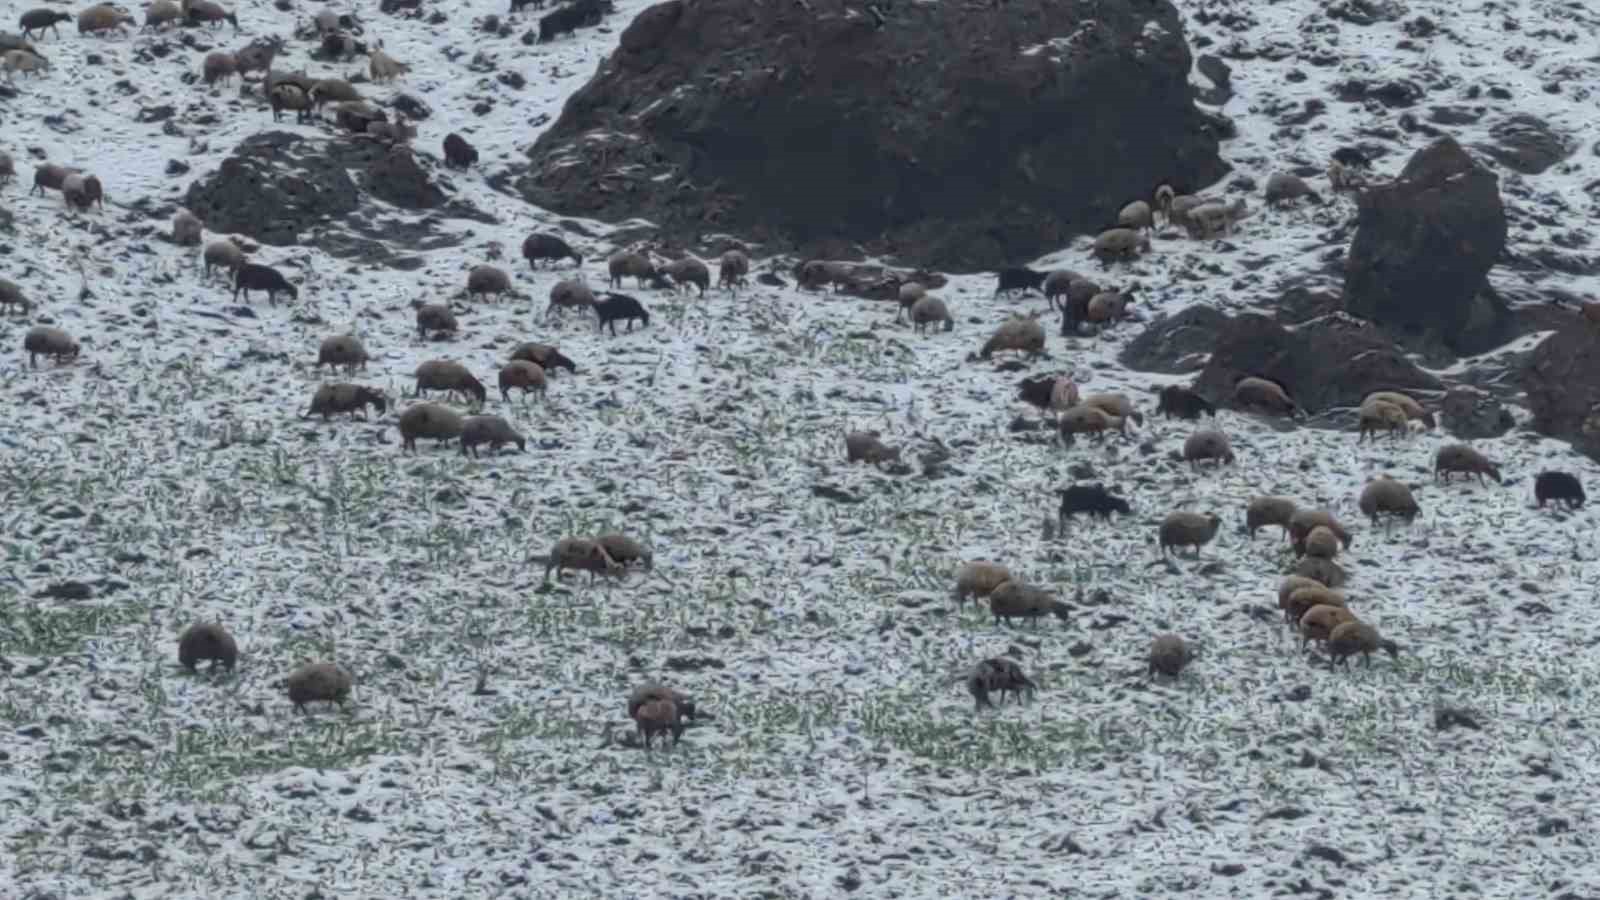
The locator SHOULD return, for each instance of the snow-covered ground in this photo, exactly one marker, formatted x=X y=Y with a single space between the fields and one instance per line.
x=168 y=471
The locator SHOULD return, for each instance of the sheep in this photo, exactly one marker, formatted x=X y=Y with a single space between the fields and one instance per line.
x=1378 y=415
x=341 y=46
x=458 y=154
x=43 y=340
x=342 y=350
x=1176 y=207
x=1093 y=499
x=1296 y=592
x=688 y=271
x=1168 y=655
x=1020 y=278
x=1064 y=395
x=82 y=191
x=41 y=19
x=1138 y=216
x=1453 y=458
x=397 y=132
x=652 y=690
x=435 y=317
x=1385 y=496
x=1269 y=510
x=49 y=175
x=485 y=280
x=186 y=229
x=1303 y=520
x=450 y=377
x=1284 y=188
x=907 y=293
x=318 y=681
x=357 y=116
x=11 y=295
x=1409 y=406
x=658 y=716
x=997 y=675
x=343 y=397
x=581 y=554
x=537 y=248
x=224 y=254
x=978 y=578
x=1207 y=444
x=520 y=373
x=1322 y=570
x=207 y=641
x=626 y=550
x=1114 y=404
x=429 y=420
x=625 y=264
x=257 y=56
x=567 y=19
x=1108 y=306
x=1549 y=485
x=1177 y=400
x=1342 y=177
x=1209 y=220
x=1187 y=529
x=102 y=17
x=517 y=6
x=1349 y=638
x=929 y=310
x=1058 y=285
x=815 y=274
x=569 y=293
x=255 y=277
x=1120 y=243
x=1048 y=392
x=8 y=169
x=207 y=13
x=290 y=95
x=22 y=61
x=1319 y=622
x=219 y=66
x=732 y=268
x=1082 y=419
x=611 y=307
x=491 y=430
x=383 y=67
x=332 y=90
x=545 y=356
x=1013 y=599
x=1266 y=396
x=1322 y=543
x=864 y=446
x=1021 y=334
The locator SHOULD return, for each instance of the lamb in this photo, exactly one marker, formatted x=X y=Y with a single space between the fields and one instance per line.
x=450 y=377
x=1266 y=396
x=1322 y=570
x=581 y=554
x=1120 y=243
x=570 y=293
x=688 y=271
x=1177 y=400
x=383 y=67
x=22 y=61
x=435 y=317
x=620 y=306
x=1017 y=279
x=1303 y=520
x=732 y=268
x=979 y=579
x=1137 y=216
x=343 y=397
x=626 y=550
x=224 y=254
x=1014 y=599
x=1385 y=496
x=458 y=154
x=520 y=373
x=1114 y=404
x=102 y=17
x=657 y=716
x=42 y=18
x=1169 y=655
x=1453 y=458
x=1021 y=334
x=865 y=446
x=49 y=175
x=545 y=356
x=290 y=95
x=928 y=310
x=1379 y=415
x=207 y=13
x=485 y=280
x=11 y=295
x=1412 y=408
x=186 y=229
x=627 y=264
x=1207 y=444
x=1322 y=543
x=1209 y=220
x=207 y=641
x=1269 y=510
x=1186 y=529
x=429 y=420
x=318 y=681
x=219 y=66
x=997 y=675
x=537 y=248
x=1083 y=419
x=1319 y=622
x=1283 y=188
x=1093 y=499
x=82 y=191
x=342 y=350
x=1349 y=638
x=255 y=277
x=43 y=340
x=1549 y=485
x=1108 y=306
x=491 y=430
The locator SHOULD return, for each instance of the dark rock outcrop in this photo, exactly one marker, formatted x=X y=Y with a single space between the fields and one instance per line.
x=1472 y=415
x=957 y=136
x=396 y=177
x=1176 y=344
x=273 y=188
x=1423 y=248
x=1562 y=381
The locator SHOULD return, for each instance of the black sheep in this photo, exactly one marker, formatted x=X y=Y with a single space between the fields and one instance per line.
x=40 y=19
x=517 y=5
x=252 y=277
x=1093 y=499
x=1019 y=279
x=612 y=307
x=548 y=247
x=1035 y=390
x=570 y=18
x=1177 y=400
x=1559 y=486
x=458 y=154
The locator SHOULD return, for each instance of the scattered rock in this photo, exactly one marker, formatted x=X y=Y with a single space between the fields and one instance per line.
x=67 y=590
x=1526 y=144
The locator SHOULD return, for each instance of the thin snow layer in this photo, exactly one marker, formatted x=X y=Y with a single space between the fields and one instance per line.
x=169 y=472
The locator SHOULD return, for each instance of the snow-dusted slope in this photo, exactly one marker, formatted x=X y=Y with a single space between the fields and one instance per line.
x=167 y=470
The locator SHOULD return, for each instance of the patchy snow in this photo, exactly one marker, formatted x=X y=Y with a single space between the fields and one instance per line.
x=168 y=470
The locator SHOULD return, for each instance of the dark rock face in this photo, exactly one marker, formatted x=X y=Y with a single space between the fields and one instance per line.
x=1423 y=248
x=396 y=177
x=272 y=190
x=1471 y=414
x=953 y=137
x=1176 y=344
x=1562 y=381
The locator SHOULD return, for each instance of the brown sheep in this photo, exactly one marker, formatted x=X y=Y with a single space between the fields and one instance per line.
x=383 y=67
x=1303 y=520
x=342 y=350
x=103 y=17
x=219 y=66
x=1322 y=543
x=1325 y=571
x=519 y=373
x=569 y=293
x=11 y=295
x=492 y=430
x=1169 y=655
x=626 y=550
x=1292 y=583
x=1117 y=405
x=160 y=14
x=1120 y=243
x=1016 y=599
x=333 y=90
x=1310 y=594
x=1379 y=415
x=82 y=191
x=997 y=675
x=688 y=272
x=1085 y=419
x=1454 y=458
x=1108 y=306
x=207 y=641
x=1319 y=622
x=865 y=446
x=8 y=168
x=43 y=340
x=1383 y=496
x=1266 y=396
x=205 y=12
x=428 y=420
x=435 y=317
x=656 y=717
x=1269 y=511
x=486 y=280
x=50 y=175
x=652 y=690
x=318 y=681
x=583 y=555
x=732 y=268
x=1349 y=638
x=979 y=578
x=1412 y=408
x=1019 y=334
x=546 y=356
x=1187 y=529
x=628 y=264
x=1138 y=216
x=1207 y=444
x=451 y=377
x=345 y=398
x=13 y=61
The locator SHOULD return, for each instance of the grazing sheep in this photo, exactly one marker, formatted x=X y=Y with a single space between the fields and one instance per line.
x=49 y=175
x=1114 y=404
x=1108 y=306
x=1187 y=529
x=815 y=274
x=1384 y=496
x=219 y=66
x=1378 y=415
x=1048 y=392
x=255 y=277
x=13 y=61
x=186 y=229
x=1559 y=486
x=1325 y=571
x=1059 y=286
x=626 y=550
x=342 y=350
x=343 y=397
x=1176 y=206
x=82 y=191
x=1453 y=458
x=997 y=676
x=41 y=19
x=428 y=420
x=1303 y=520
x=1169 y=655
x=332 y=90
x=1022 y=278
x=732 y=268
x=545 y=356
x=1093 y=499
x=207 y=641
x=383 y=67
x=224 y=254
x=257 y=56
x=1207 y=444
x=907 y=293
x=341 y=46
x=11 y=295
x=653 y=690
x=865 y=446
x=537 y=248
x=1120 y=243
x=1319 y=622
x=492 y=430
x=520 y=373
x=357 y=116
x=1083 y=419
x=688 y=271
x=102 y=17
x=8 y=169
x=1020 y=334
x=569 y=293
x=435 y=317
x=1283 y=188
x=43 y=340
x=1138 y=216
x=1264 y=511
x=1290 y=585
x=290 y=95
x=978 y=578
x=581 y=555
x=451 y=377
x=1309 y=595
x=628 y=264
x=458 y=154
x=612 y=307
x=656 y=717
x=928 y=310
x=204 y=12
x=1209 y=220
x=1322 y=543
x=1266 y=396
x=1349 y=638
x=1411 y=407
x=1177 y=400
x=318 y=681
x=1014 y=599
x=485 y=280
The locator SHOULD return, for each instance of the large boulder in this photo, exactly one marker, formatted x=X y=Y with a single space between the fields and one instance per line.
x=1562 y=381
x=272 y=189
x=955 y=136
x=1423 y=248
